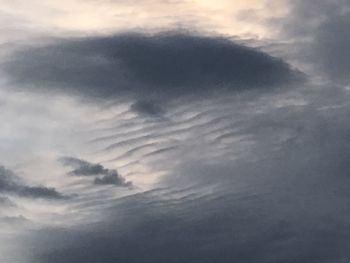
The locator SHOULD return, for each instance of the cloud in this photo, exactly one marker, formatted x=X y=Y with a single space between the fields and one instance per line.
x=148 y=108
x=265 y=222
x=285 y=201
x=103 y=176
x=5 y=201
x=321 y=27
x=163 y=66
x=11 y=184
x=83 y=168
x=14 y=220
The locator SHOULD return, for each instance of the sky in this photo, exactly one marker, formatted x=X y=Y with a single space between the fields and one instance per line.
x=174 y=131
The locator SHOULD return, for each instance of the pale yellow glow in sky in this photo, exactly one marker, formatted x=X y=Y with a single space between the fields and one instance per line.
x=245 y=18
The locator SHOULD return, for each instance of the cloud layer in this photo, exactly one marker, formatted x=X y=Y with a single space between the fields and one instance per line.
x=242 y=160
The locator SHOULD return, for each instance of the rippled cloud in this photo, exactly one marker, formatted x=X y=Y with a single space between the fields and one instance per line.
x=208 y=131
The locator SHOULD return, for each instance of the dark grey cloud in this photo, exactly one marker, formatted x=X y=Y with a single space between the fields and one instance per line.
x=322 y=28
x=83 y=168
x=111 y=178
x=162 y=66
x=11 y=184
x=148 y=108
x=103 y=176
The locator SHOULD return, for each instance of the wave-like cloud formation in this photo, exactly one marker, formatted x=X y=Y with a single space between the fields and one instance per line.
x=284 y=199
x=246 y=172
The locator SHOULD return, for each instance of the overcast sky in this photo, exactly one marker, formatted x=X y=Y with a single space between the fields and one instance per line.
x=174 y=131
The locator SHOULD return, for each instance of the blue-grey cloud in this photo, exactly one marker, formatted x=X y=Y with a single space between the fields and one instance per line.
x=161 y=66
x=148 y=108
x=11 y=184
x=279 y=223
x=287 y=202
x=103 y=176
x=5 y=201
x=321 y=27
